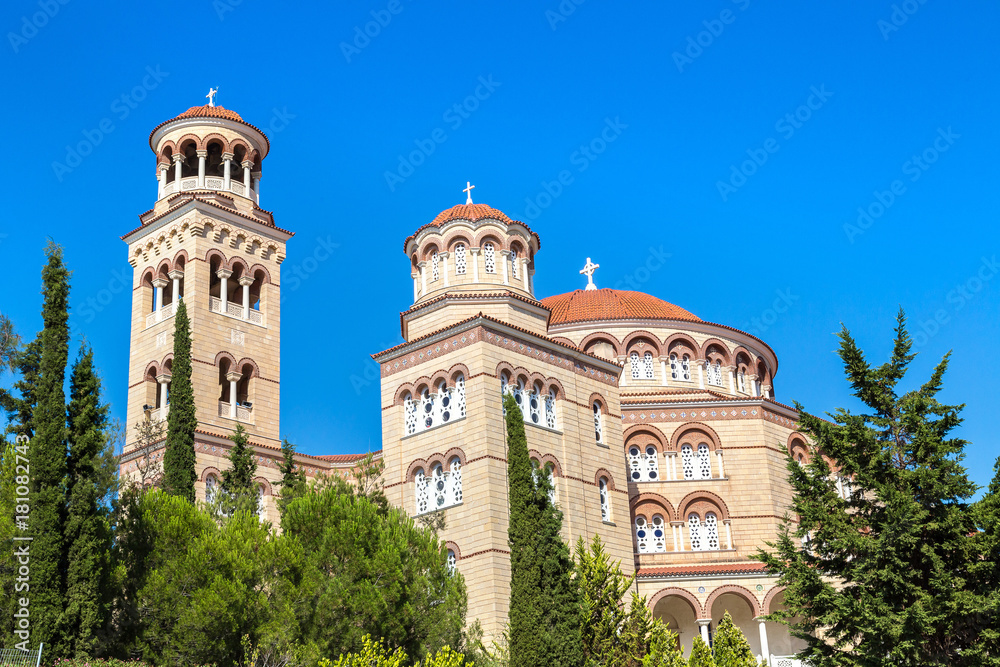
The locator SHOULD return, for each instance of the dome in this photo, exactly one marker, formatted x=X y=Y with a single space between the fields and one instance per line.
x=206 y=111
x=470 y=212
x=611 y=304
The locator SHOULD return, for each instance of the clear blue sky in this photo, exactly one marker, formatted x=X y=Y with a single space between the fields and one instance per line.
x=888 y=89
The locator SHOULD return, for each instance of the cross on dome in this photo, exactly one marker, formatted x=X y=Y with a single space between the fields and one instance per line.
x=468 y=191
x=588 y=270
x=211 y=96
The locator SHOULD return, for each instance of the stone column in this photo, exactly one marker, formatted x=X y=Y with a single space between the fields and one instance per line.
x=700 y=363
x=753 y=385
x=671 y=469
x=227 y=183
x=443 y=256
x=233 y=378
x=224 y=275
x=164 y=381
x=503 y=260
x=764 y=648
x=722 y=473
x=176 y=276
x=680 y=534
x=674 y=531
x=703 y=623
x=729 y=534
x=158 y=285
x=423 y=277
x=663 y=370
x=767 y=390
x=246 y=177
x=416 y=285
x=161 y=178
x=202 y=155
x=178 y=160
x=256 y=186
x=732 y=379
x=245 y=283
x=524 y=273
x=474 y=254
x=625 y=370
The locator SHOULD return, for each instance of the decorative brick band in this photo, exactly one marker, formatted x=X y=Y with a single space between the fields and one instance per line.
x=486 y=551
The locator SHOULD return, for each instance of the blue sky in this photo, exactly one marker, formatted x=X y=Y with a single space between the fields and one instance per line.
x=802 y=165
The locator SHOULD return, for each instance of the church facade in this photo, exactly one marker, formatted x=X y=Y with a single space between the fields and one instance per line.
x=660 y=431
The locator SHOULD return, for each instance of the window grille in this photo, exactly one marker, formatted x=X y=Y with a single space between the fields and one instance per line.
x=489 y=256
x=460 y=261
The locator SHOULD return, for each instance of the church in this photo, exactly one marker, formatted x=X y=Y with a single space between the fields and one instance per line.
x=660 y=431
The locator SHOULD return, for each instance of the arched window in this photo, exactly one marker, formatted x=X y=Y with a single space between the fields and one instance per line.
x=460 y=262
x=643 y=464
x=410 y=414
x=633 y=362
x=444 y=406
x=537 y=470
x=456 y=480
x=441 y=490
x=680 y=368
x=211 y=489
x=647 y=365
x=714 y=372
x=741 y=380
x=694 y=531
x=650 y=537
x=550 y=409
x=696 y=466
x=598 y=425
x=452 y=562
x=642 y=368
x=602 y=484
x=460 y=395
x=513 y=264
x=423 y=491
x=711 y=532
x=435 y=267
x=535 y=406
x=489 y=257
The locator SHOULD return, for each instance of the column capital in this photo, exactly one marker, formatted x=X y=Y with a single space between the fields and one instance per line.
x=444 y=255
x=233 y=376
x=246 y=164
x=203 y=153
x=422 y=264
x=160 y=282
x=228 y=156
x=246 y=280
x=475 y=250
x=164 y=379
x=224 y=273
x=178 y=157
x=703 y=621
x=176 y=274
x=162 y=166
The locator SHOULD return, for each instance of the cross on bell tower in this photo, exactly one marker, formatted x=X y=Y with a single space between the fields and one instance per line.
x=588 y=270
x=468 y=191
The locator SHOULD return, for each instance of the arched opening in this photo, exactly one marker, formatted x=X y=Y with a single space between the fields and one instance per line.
x=189 y=166
x=214 y=164
x=225 y=367
x=743 y=613
x=780 y=642
x=236 y=169
x=602 y=348
x=244 y=388
x=168 y=153
x=680 y=617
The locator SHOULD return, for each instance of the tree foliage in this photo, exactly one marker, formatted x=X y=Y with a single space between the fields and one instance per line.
x=238 y=485
x=701 y=654
x=179 y=457
x=293 y=477
x=888 y=577
x=545 y=606
x=729 y=647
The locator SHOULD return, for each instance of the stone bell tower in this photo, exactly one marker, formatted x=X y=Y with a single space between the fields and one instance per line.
x=206 y=241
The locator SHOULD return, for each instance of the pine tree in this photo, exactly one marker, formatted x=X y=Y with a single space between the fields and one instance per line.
x=886 y=577
x=48 y=461
x=179 y=458
x=986 y=574
x=701 y=654
x=9 y=343
x=293 y=478
x=545 y=607
x=603 y=587
x=21 y=408
x=88 y=529
x=664 y=648
x=238 y=486
x=730 y=648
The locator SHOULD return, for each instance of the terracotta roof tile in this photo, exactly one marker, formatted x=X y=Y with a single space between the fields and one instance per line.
x=689 y=570
x=206 y=111
x=472 y=213
x=610 y=304
x=344 y=458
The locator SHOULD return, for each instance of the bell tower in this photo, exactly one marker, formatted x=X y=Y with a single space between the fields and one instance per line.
x=207 y=242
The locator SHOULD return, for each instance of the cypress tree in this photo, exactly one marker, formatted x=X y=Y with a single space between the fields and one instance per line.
x=986 y=574
x=238 y=482
x=8 y=563
x=730 y=648
x=545 y=607
x=293 y=479
x=21 y=408
x=88 y=530
x=48 y=461
x=887 y=575
x=701 y=654
x=179 y=458
x=9 y=343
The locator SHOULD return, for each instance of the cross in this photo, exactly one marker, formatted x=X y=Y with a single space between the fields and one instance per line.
x=468 y=192
x=588 y=270
x=211 y=96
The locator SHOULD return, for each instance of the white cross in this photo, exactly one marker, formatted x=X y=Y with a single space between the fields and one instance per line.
x=211 y=96
x=588 y=270
x=468 y=192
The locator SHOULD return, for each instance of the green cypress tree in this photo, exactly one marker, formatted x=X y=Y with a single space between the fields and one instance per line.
x=887 y=575
x=546 y=611
x=240 y=490
x=701 y=654
x=48 y=461
x=664 y=648
x=88 y=530
x=21 y=408
x=730 y=648
x=603 y=587
x=179 y=458
x=293 y=478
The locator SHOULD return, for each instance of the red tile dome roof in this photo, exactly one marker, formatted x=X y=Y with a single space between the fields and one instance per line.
x=611 y=304
x=206 y=111
x=471 y=212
